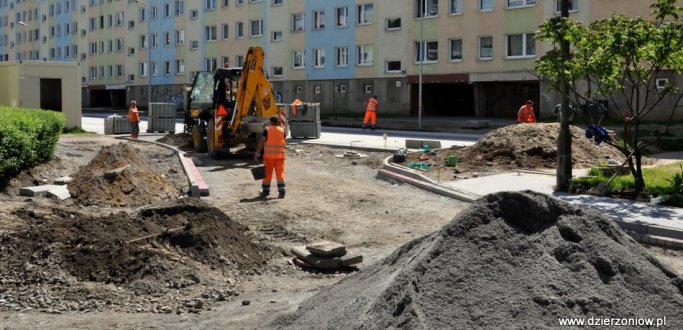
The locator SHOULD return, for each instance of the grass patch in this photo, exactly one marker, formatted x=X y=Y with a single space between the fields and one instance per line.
x=661 y=180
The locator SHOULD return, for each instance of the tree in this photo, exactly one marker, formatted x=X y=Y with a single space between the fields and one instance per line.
x=618 y=58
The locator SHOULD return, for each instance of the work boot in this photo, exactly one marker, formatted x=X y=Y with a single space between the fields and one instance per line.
x=372 y=128
x=263 y=194
x=281 y=195
x=363 y=127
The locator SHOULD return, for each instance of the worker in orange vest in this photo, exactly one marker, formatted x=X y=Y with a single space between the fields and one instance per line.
x=296 y=107
x=134 y=118
x=273 y=145
x=370 y=112
x=526 y=113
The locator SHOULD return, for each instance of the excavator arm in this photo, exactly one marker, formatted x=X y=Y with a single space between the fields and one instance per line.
x=253 y=87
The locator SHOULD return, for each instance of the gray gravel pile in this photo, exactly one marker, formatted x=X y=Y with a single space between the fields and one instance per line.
x=519 y=260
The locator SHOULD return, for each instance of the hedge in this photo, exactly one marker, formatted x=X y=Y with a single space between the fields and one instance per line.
x=27 y=137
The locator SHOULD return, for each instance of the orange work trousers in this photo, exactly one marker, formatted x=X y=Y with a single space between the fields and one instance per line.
x=274 y=164
x=370 y=116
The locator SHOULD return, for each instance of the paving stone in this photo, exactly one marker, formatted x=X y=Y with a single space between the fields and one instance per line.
x=325 y=262
x=327 y=249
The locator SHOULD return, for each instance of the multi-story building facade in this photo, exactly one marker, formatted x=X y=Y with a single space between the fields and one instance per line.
x=471 y=57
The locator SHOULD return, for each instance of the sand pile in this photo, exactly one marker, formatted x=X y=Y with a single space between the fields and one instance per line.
x=532 y=146
x=120 y=176
x=519 y=260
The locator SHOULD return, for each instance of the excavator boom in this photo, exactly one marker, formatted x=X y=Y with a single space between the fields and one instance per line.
x=253 y=87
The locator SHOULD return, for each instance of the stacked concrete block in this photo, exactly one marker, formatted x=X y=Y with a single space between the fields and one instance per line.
x=161 y=117
x=116 y=124
x=304 y=120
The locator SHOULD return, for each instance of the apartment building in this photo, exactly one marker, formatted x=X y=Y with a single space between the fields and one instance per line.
x=471 y=57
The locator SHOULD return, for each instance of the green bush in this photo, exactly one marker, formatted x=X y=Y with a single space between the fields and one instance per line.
x=27 y=137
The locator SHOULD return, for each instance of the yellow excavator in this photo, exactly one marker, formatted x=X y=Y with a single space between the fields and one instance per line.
x=229 y=106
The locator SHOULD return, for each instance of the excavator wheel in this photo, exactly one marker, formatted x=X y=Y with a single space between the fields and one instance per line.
x=198 y=144
x=252 y=142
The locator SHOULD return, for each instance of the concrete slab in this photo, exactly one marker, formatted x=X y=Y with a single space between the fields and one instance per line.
x=418 y=144
x=36 y=190
x=60 y=192
x=327 y=249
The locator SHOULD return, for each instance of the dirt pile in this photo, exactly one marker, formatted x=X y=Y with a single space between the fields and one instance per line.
x=520 y=260
x=120 y=176
x=180 y=140
x=157 y=260
x=532 y=146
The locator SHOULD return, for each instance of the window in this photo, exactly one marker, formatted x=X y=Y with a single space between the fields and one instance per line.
x=93 y=48
x=277 y=2
x=426 y=52
x=155 y=69
x=179 y=67
x=240 y=29
x=342 y=15
x=179 y=8
x=119 y=18
x=520 y=3
x=455 y=50
x=143 y=14
x=225 y=3
x=239 y=2
x=93 y=72
x=119 y=70
x=143 y=41
x=277 y=35
x=119 y=45
x=276 y=71
x=299 y=89
x=455 y=6
x=209 y=63
x=210 y=4
x=131 y=51
x=167 y=10
x=101 y=72
x=319 y=58
x=179 y=37
x=426 y=8
x=341 y=56
x=393 y=66
x=167 y=39
x=225 y=31
x=368 y=89
x=131 y=25
x=298 y=22
x=365 y=13
x=194 y=44
x=521 y=45
x=485 y=47
x=316 y=89
x=154 y=13
x=155 y=40
x=256 y=28
x=194 y=13
x=131 y=77
x=393 y=23
x=365 y=55
x=342 y=88
x=210 y=33
x=298 y=59
x=573 y=5
x=318 y=19
x=239 y=59
x=167 y=68
x=485 y=5
x=111 y=71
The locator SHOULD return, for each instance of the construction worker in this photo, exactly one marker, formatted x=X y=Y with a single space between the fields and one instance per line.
x=296 y=107
x=273 y=145
x=558 y=113
x=370 y=112
x=134 y=118
x=526 y=113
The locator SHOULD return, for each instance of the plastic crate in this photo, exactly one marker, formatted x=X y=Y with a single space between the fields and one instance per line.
x=307 y=112
x=161 y=125
x=162 y=110
x=116 y=124
x=305 y=129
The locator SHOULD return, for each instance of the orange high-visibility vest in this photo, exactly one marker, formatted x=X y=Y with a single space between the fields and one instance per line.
x=275 y=143
x=526 y=114
x=133 y=115
x=296 y=106
x=372 y=104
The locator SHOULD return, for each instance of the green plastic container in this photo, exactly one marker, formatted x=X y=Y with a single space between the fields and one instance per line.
x=452 y=160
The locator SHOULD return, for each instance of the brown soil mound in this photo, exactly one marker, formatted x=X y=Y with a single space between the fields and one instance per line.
x=180 y=140
x=511 y=260
x=533 y=146
x=136 y=183
x=148 y=253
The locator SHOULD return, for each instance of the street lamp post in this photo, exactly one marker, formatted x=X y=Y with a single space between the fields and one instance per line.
x=149 y=54
x=422 y=57
x=24 y=24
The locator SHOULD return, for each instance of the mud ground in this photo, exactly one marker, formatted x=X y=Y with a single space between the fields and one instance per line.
x=328 y=198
